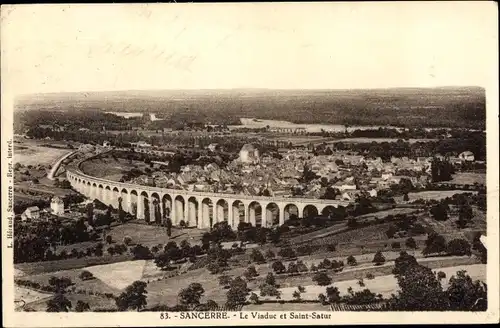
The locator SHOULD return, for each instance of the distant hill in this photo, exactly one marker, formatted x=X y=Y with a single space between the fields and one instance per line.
x=412 y=107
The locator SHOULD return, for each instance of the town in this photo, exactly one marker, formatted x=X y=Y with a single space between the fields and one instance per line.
x=262 y=215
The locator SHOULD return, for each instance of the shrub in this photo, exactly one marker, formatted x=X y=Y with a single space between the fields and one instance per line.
x=441 y=275
x=109 y=239
x=458 y=247
x=379 y=258
x=254 y=298
x=322 y=279
x=270 y=279
x=257 y=257
x=127 y=240
x=351 y=260
x=410 y=243
x=214 y=268
x=370 y=276
x=251 y=272
x=287 y=253
x=322 y=299
x=301 y=267
x=278 y=267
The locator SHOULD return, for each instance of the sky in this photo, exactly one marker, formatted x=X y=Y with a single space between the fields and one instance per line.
x=77 y=48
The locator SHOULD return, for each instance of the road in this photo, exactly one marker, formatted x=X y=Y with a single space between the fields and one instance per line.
x=57 y=164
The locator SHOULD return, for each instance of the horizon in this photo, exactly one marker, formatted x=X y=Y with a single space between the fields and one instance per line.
x=459 y=87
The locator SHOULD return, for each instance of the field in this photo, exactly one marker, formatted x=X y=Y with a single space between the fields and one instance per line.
x=34 y=152
x=463 y=178
x=26 y=295
x=287 y=307
x=385 y=285
x=432 y=195
x=380 y=140
x=109 y=168
x=140 y=233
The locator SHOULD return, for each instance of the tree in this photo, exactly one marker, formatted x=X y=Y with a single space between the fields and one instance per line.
x=86 y=275
x=270 y=279
x=257 y=257
x=214 y=268
x=465 y=215
x=270 y=255
x=251 y=272
x=269 y=290
x=458 y=247
x=127 y=240
x=278 y=267
x=441 y=275
x=192 y=294
x=237 y=292
x=109 y=239
x=411 y=243
x=287 y=253
x=141 y=252
x=254 y=298
x=405 y=197
x=82 y=306
x=465 y=294
x=435 y=243
x=121 y=212
x=322 y=299
x=293 y=268
x=439 y=212
x=322 y=279
x=60 y=284
x=59 y=303
x=332 y=294
x=379 y=258
x=403 y=263
x=134 y=297
x=296 y=295
x=351 y=260
x=419 y=291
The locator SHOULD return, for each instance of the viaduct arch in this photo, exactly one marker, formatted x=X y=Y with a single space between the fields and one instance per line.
x=196 y=209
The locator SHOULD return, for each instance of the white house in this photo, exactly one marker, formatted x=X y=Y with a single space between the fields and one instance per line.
x=249 y=154
x=32 y=212
x=57 y=206
x=466 y=156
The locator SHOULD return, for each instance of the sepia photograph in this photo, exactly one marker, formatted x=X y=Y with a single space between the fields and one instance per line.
x=258 y=163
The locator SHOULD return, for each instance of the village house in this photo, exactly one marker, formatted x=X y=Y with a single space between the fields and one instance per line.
x=466 y=156
x=31 y=213
x=57 y=206
x=249 y=154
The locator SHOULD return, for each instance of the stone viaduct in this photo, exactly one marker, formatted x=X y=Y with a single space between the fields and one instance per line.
x=196 y=209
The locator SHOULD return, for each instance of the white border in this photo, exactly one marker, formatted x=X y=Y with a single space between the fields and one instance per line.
x=30 y=319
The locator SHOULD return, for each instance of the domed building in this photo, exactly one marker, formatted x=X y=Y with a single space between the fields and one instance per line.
x=249 y=154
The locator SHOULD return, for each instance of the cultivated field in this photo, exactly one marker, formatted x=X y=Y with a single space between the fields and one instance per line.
x=109 y=168
x=379 y=140
x=385 y=285
x=469 y=178
x=432 y=195
x=34 y=152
